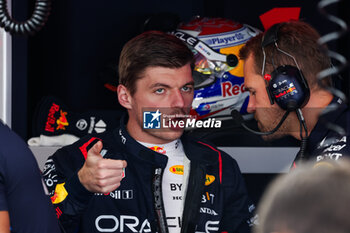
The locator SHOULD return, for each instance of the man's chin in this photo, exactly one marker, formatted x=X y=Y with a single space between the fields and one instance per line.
x=272 y=137
x=169 y=134
x=280 y=133
x=263 y=129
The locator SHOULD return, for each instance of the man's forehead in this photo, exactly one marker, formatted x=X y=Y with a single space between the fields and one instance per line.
x=248 y=80
x=251 y=77
x=254 y=82
x=167 y=75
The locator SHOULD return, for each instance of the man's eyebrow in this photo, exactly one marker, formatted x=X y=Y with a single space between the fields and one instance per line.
x=167 y=86
x=248 y=88
x=190 y=83
x=159 y=85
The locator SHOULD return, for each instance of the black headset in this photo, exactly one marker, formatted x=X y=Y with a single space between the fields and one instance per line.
x=286 y=86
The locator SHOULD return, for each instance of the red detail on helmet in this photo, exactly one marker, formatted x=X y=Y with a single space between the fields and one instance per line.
x=194 y=113
x=267 y=77
x=231 y=90
x=279 y=15
x=209 y=114
x=208 y=26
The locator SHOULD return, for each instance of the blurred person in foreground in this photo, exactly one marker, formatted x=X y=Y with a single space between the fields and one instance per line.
x=311 y=198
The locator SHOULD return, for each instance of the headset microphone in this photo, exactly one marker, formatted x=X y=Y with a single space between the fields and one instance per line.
x=237 y=117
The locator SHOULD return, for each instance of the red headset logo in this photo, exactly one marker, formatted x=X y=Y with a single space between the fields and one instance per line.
x=285 y=91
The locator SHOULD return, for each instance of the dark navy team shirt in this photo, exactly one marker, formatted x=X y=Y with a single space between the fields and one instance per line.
x=330 y=137
x=21 y=188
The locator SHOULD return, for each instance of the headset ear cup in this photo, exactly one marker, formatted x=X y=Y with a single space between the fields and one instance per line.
x=288 y=88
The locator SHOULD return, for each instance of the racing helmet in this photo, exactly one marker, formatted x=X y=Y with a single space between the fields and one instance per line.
x=218 y=71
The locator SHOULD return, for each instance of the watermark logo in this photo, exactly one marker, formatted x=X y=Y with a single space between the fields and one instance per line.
x=151 y=120
x=164 y=120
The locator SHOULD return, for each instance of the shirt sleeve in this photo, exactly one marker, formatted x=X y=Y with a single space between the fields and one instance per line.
x=238 y=204
x=21 y=187
x=67 y=194
x=3 y=202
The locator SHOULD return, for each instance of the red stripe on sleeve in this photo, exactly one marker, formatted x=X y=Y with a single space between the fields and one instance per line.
x=220 y=159
x=85 y=145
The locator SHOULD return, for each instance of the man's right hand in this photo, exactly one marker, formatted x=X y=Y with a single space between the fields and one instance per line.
x=101 y=175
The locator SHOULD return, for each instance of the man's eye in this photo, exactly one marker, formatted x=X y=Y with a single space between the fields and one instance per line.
x=187 y=88
x=251 y=91
x=159 y=91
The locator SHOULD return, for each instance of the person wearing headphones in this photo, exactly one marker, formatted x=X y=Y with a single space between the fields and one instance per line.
x=280 y=72
x=143 y=176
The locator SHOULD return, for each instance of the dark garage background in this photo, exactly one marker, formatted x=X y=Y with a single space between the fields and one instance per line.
x=78 y=49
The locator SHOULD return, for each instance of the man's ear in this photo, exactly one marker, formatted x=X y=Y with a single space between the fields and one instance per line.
x=124 y=96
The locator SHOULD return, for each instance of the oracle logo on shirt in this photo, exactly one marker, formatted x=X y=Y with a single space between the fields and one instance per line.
x=122 y=223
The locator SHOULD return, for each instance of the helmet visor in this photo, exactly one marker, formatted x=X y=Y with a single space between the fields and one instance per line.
x=206 y=71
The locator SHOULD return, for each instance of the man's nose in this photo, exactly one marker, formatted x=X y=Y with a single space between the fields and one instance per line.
x=251 y=105
x=177 y=99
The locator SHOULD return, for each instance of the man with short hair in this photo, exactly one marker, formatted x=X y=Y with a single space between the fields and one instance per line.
x=280 y=72
x=136 y=179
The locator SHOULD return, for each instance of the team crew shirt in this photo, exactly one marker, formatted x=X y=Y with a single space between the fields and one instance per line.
x=326 y=140
x=21 y=188
x=215 y=200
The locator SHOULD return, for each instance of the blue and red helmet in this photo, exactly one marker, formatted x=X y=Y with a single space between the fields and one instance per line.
x=218 y=71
